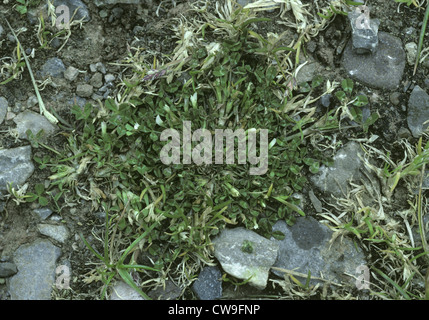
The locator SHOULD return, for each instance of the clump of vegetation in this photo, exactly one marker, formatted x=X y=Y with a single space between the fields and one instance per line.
x=223 y=74
x=233 y=83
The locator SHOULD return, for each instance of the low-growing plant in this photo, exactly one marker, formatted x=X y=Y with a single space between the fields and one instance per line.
x=39 y=190
x=110 y=267
x=351 y=106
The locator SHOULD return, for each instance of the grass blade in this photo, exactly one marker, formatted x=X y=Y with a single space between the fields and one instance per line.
x=135 y=242
x=128 y=280
x=422 y=36
x=43 y=109
x=393 y=283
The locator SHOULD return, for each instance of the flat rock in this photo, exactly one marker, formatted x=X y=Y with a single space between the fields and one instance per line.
x=306 y=247
x=57 y=232
x=382 y=69
x=29 y=120
x=42 y=213
x=15 y=166
x=36 y=263
x=168 y=292
x=122 y=291
x=208 y=286
x=84 y=90
x=244 y=254
x=418 y=111
x=335 y=179
x=53 y=67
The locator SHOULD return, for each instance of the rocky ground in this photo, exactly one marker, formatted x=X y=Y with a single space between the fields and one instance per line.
x=41 y=254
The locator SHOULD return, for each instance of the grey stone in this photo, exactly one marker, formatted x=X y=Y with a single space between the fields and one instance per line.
x=208 y=286
x=317 y=204
x=99 y=66
x=418 y=111
x=244 y=254
x=53 y=67
x=7 y=269
x=29 y=120
x=325 y=100
x=109 y=78
x=15 y=166
x=168 y=292
x=71 y=73
x=96 y=80
x=76 y=100
x=82 y=12
x=364 y=32
x=43 y=213
x=3 y=108
x=335 y=179
x=84 y=90
x=1 y=31
x=36 y=263
x=122 y=291
x=306 y=247
x=381 y=69
x=394 y=98
x=308 y=72
x=57 y=232
x=32 y=102
x=411 y=49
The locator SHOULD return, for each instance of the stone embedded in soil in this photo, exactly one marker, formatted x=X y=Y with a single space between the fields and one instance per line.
x=168 y=292
x=36 y=263
x=382 y=69
x=82 y=12
x=7 y=269
x=71 y=73
x=411 y=49
x=208 y=286
x=29 y=120
x=418 y=111
x=84 y=90
x=244 y=254
x=15 y=166
x=59 y=233
x=109 y=78
x=42 y=213
x=306 y=247
x=347 y=165
x=96 y=80
x=53 y=67
x=308 y=72
x=3 y=108
x=122 y=291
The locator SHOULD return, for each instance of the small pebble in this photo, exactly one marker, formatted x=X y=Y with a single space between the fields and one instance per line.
x=84 y=90
x=394 y=98
x=109 y=78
